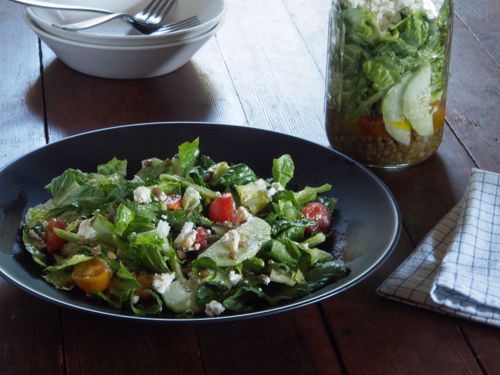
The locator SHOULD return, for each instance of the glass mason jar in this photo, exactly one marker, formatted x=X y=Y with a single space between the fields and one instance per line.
x=387 y=73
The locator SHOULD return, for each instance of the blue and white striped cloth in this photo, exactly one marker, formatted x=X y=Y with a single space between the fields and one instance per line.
x=455 y=270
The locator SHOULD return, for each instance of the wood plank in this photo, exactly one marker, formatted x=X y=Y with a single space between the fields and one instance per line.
x=481 y=19
x=29 y=327
x=21 y=122
x=293 y=343
x=473 y=97
x=199 y=91
x=378 y=336
x=278 y=83
x=311 y=20
x=95 y=345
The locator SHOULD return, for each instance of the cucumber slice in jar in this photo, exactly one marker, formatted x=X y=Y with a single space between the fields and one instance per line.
x=417 y=101
x=395 y=122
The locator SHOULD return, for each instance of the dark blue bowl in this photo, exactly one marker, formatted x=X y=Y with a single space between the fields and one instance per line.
x=367 y=212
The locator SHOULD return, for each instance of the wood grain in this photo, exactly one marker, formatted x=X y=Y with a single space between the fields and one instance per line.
x=481 y=19
x=377 y=336
x=199 y=91
x=291 y=343
x=311 y=21
x=277 y=81
x=473 y=97
x=21 y=107
x=30 y=328
x=95 y=345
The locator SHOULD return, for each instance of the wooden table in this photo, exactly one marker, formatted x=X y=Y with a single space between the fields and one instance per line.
x=265 y=68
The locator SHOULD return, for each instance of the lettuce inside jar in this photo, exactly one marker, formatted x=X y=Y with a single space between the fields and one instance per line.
x=387 y=77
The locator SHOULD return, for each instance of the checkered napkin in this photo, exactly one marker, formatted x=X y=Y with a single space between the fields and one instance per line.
x=455 y=270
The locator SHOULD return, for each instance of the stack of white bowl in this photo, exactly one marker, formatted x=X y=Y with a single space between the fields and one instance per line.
x=116 y=49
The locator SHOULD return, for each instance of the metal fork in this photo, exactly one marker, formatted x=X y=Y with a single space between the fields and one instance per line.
x=146 y=21
x=164 y=29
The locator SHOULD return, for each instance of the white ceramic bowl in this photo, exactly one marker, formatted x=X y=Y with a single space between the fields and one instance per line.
x=120 y=62
x=121 y=33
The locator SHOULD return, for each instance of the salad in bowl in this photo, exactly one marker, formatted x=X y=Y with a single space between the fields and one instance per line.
x=186 y=235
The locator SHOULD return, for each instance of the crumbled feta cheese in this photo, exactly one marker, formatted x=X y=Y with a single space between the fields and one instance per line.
x=242 y=215
x=142 y=194
x=191 y=198
x=164 y=216
x=234 y=278
x=387 y=12
x=277 y=186
x=162 y=281
x=186 y=238
x=135 y=299
x=265 y=279
x=163 y=229
x=214 y=308
x=86 y=231
x=270 y=192
x=231 y=240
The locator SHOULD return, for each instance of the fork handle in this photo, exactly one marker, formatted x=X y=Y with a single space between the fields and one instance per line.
x=47 y=4
x=87 y=24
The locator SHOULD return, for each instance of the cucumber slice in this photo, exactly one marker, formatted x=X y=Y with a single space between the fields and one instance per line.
x=417 y=101
x=253 y=234
x=392 y=111
x=180 y=297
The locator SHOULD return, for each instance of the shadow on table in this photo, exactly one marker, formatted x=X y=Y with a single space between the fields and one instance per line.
x=75 y=102
x=424 y=192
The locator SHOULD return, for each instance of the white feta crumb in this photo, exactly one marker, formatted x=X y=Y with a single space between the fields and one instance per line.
x=277 y=186
x=242 y=215
x=265 y=279
x=86 y=231
x=163 y=229
x=162 y=281
x=186 y=238
x=135 y=299
x=191 y=198
x=142 y=194
x=164 y=216
x=270 y=192
x=231 y=240
x=234 y=278
x=214 y=308
x=388 y=12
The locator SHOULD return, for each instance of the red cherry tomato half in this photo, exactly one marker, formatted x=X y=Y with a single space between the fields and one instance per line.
x=373 y=126
x=54 y=242
x=201 y=238
x=222 y=209
x=174 y=202
x=317 y=212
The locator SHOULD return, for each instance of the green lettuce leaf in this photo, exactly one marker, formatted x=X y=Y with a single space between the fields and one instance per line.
x=283 y=169
x=114 y=166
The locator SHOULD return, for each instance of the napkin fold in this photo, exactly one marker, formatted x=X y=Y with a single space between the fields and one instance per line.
x=455 y=270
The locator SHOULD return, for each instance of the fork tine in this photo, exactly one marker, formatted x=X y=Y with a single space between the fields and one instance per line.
x=188 y=22
x=161 y=11
x=144 y=13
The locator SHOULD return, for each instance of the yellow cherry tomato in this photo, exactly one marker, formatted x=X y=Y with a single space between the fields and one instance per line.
x=92 y=276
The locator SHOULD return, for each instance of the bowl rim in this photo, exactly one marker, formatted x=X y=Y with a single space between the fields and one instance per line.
x=44 y=34
x=394 y=239
x=132 y=38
